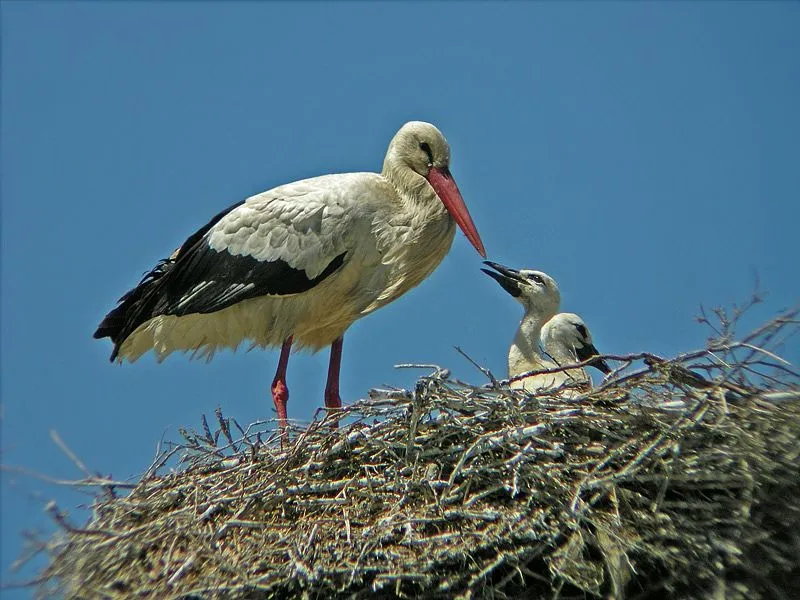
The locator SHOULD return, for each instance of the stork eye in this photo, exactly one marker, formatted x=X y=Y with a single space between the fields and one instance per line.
x=537 y=278
x=427 y=150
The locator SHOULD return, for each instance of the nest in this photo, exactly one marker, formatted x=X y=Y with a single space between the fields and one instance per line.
x=676 y=479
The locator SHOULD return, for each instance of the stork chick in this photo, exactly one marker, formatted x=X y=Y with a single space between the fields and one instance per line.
x=563 y=336
x=566 y=340
x=539 y=295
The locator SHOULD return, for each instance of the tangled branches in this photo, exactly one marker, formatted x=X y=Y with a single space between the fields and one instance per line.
x=677 y=479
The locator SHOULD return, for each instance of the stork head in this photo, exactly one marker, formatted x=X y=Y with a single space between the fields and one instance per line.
x=567 y=335
x=535 y=290
x=419 y=157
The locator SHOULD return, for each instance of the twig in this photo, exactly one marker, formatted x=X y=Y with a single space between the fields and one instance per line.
x=72 y=456
x=90 y=481
x=483 y=370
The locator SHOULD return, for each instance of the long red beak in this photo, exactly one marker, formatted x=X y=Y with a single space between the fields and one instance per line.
x=445 y=187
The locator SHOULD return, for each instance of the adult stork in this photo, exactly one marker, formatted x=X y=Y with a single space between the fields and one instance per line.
x=296 y=265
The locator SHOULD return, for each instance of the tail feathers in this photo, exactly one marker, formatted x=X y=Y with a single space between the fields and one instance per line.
x=111 y=327
x=133 y=309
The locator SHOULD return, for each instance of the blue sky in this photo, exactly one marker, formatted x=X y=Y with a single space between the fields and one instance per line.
x=645 y=155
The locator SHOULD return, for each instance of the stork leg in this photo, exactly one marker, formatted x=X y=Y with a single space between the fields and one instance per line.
x=332 y=398
x=280 y=392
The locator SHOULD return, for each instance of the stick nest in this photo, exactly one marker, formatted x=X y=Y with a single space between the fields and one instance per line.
x=657 y=484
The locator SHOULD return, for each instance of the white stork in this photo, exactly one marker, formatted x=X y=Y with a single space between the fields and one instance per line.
x=296 y=265
x=540 y=297
x=566 y=340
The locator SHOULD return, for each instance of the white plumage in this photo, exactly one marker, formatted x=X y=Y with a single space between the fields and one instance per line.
x=566 y=340
x=298 y=264
x=305 y=225
x=559 y=334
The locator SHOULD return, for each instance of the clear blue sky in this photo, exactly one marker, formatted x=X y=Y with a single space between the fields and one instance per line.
x=646 y=155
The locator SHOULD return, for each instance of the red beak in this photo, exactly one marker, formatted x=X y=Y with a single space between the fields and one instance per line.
x=445 y=187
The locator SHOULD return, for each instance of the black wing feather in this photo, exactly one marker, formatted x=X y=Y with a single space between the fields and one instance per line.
x=228 y=279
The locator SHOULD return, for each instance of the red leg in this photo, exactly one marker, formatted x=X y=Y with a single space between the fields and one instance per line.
x=332 y=399
x=280 y=393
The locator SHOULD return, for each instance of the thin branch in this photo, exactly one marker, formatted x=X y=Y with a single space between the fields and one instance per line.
x=90 y=481
x=483 y=370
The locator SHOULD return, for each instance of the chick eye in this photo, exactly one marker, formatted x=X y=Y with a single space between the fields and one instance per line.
x=427 y=150
x=537 y=278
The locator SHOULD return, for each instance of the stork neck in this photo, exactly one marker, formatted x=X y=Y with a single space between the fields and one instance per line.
x=412 y=188
x=524 y=353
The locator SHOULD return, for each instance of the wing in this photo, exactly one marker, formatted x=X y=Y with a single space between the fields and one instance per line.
x=284 y=241
x=305 y=224
x=115 y=320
